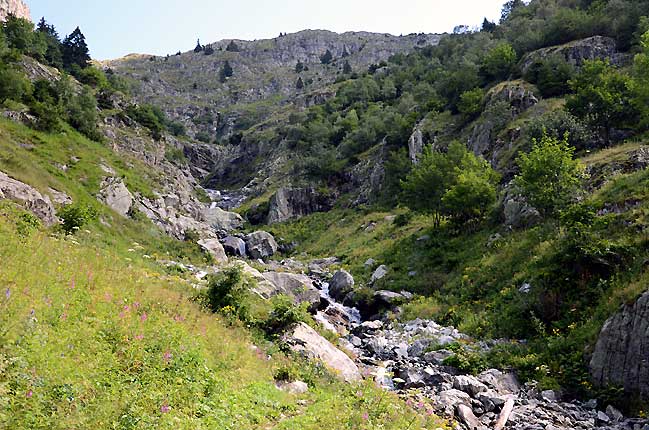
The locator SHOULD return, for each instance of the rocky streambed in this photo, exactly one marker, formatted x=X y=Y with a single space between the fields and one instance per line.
x=411 y=358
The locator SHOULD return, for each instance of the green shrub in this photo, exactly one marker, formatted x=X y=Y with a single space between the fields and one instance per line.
x=76 y=216
x=466 y=360
x=227 y=293
x=284 y=314
x=27 y=223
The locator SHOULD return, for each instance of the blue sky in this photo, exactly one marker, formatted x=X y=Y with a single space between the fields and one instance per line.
x=119 y=27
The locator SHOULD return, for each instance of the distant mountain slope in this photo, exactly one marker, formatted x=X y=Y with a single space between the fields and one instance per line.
x=264 y=76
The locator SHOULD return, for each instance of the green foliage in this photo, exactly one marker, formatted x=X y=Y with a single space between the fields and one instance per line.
x=75 y=51
x=19 y=34
x=284 y=314
x=471 y=103
x=13 y=85
x=550 y=176
x=456 y=184
x=232 y=47
x=227 y=293
x=551 y=75
x=76 y=216
x=499 y=62
x=82 y=114
x=560 y=123
x=93 y=76
x=466 y=360
x=602 y=97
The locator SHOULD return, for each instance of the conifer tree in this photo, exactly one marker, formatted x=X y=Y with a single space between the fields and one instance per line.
x=75 y=50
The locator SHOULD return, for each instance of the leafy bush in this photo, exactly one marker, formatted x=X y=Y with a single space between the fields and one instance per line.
x=284 y=314
x=76 y=216
x=550 y=176
x=227 y=293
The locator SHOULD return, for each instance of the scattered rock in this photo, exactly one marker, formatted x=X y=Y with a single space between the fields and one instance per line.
x=59 y=197
x=379 y=273
x=29 y=198
x=296 y=387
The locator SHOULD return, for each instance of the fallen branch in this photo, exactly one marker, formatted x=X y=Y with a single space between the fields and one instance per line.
x=504 y=414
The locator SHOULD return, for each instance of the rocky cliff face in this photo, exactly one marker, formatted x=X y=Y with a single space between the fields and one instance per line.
x=622 y=350
x=14 y=7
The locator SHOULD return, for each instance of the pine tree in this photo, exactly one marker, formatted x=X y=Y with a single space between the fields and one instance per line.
x=226 y=72
x=300 y=83
x=327 y=57
x=488 y=26
x=299 y=67
x=75 y=50
x=347 y=68
x=199 y=47
x=232 y=47
x=208 y=50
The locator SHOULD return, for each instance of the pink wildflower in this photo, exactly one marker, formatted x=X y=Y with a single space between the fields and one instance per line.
x=29 y=394
x=144 y=317
x=167 y=357
x=72 y=284
x=7 y=293
x=366 y=416
x=165 y=408
x=139 y=337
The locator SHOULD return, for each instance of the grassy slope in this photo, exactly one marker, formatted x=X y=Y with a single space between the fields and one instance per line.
x=93 y=334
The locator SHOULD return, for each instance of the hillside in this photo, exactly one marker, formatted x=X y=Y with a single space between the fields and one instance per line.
x=330 y=230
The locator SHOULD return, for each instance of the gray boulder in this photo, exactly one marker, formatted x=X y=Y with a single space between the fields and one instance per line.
x=261 y=244
x=621 y=354
x=115 y=195
x=291 y=203
x=29 y=198
x=215 y=249
x=299 y=287
x=223 y=220
x=303 y=339
x=59 y=197
x=234 y=246
x=341 y=284
x=379 y=273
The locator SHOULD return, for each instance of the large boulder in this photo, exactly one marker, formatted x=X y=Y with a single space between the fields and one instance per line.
x=223 y=220
x=261 y=244
x=29 y=198
x=299 y=287
x=234 y=246
x=341 y=284
x=291 y=203
x=115 y=195
x=215 y=249
x=621 y=356
x=305 y=340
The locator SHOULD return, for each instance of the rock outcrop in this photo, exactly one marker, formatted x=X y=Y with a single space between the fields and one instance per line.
x=116 y=196
x=14 y=7
x=303 y=339
x=291 y=203
x=29 y=198
x=621 y=356
x=576 y=52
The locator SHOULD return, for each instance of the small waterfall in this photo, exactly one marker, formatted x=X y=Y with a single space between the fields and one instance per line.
x=352 y=314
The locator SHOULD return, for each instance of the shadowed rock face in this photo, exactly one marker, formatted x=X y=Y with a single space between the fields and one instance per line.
x=289 y=204
x=621 y=356
x=14 y=7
